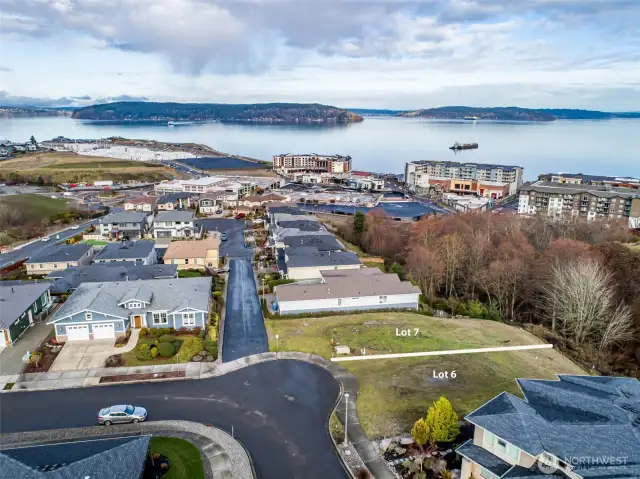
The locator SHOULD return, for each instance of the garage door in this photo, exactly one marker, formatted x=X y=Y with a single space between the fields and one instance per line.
x=76 y=333
x=103 y=331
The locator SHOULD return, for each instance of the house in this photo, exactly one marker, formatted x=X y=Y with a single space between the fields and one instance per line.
x=108 y=310
x=322 y=242
x=302 y=225
x=348 y=290
x=70 y=278
x=123 y=457
x=20 y=305
x=176 y=224
x=199 y=254
x=307 y=262
x=261 y=200
x=141 y=203
x=574 y=427
x=175 y=201
x=138 y=252
x=130 y=225
x=212 y=202
x=58 y=257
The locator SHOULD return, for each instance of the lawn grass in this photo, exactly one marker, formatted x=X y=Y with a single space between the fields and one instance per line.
x=191 y=345
x=183 y=456
x=396 y=392
x=35 y=207
x=190 y=273
x=104 y=164
x=96 y=242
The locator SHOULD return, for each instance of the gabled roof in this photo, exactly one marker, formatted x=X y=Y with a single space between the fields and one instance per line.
x=322 y=242
x=124 y=217
x=192 y=248
x=309 y=257
x=16 y=298
x=126 y=250
x=140 y=292
x=60 y=253
x=140 y=200
x=302 y=225
x=173 y=197
x=174 y=216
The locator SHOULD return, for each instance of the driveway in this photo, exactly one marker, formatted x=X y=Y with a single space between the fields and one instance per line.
x=244 y=332
x=233 y=247
x=11 y=357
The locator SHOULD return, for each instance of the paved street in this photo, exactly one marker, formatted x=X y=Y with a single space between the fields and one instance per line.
x=244 y=332
x=233 y=247
x=279 y=411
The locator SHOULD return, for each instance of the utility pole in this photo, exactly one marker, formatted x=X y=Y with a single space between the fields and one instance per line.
x=346 y=419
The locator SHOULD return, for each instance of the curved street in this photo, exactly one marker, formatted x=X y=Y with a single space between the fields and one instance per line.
x=278 y=410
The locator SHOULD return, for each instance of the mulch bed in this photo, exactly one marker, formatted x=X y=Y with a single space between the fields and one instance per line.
x=48 y=357
x=140 y=377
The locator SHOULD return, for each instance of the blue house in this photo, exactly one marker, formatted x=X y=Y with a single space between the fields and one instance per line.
x=108 y=310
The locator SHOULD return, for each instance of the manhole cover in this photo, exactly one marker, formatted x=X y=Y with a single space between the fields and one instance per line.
x=289 y=398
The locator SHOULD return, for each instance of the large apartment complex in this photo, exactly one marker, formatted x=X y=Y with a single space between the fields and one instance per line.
x=290 y=163
x=486 y=180
x=586 y=201
x=591 y=180
x=573 y=428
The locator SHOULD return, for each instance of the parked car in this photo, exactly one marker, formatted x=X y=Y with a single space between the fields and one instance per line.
x=75 y=227
x=223 y=236
x=120 y=414
x=239 y=216
x=46 y=238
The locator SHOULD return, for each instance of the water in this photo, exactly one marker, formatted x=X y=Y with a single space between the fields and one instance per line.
x=384 y=144
x=220 y=163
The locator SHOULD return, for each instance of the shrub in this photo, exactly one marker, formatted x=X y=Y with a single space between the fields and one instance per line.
x=154 y=352
x=213 y=331
x=202 y=333
x=196 y=330
x=155 y=332
x=114 y=361
x=144 y=352
x=166 y=330
x=166 y=350
x=144 y=331
x=166 y=338
x=156 y=342
x=183 y=330
x=217 y=294
x=35 y=359
x=211 y=347
x=477 y=310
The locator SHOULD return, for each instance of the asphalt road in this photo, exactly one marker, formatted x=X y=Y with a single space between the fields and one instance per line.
x=279 y=411
x=233 y=247
x=244 y=332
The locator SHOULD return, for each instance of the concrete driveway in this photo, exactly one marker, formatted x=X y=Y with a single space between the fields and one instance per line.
x=11 y=357
x=83 y=355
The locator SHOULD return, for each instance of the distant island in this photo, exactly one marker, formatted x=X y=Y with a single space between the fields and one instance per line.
x=513 y=113
x=284 y=113
x=30 y=112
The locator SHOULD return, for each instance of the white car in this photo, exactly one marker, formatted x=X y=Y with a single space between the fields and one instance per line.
x=75 y=227
x=46 y=238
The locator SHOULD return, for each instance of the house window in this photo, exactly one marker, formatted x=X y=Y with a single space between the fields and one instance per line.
x=135 y=305
x=382 y=299
x=160 y=318
x=186 y=261
x=501 y=446
x=488 y=438
x=41 y=266
x=188 y=319
x=485 y=474
x=88 y=316
x=339 y=301
x=513 y=452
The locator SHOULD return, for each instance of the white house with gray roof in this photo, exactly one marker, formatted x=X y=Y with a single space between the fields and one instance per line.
x=129 y=225
x=108 y=310
x=59 y=257
x=137 y=252
x=576 y=427
x=176 y=224
x=307 y=262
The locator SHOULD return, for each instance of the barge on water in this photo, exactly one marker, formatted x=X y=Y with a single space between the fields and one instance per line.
x=463 y=146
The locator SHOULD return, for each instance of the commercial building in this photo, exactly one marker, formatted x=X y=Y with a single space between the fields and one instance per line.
x=58 y=257
x=591 y=180
x=585 y=201
x=20 y=305
x=487 y=180
x=195 y=254
x=240 y=185
x=576 y=427
x=141 y=252
x=347 y=290
x=290 y=163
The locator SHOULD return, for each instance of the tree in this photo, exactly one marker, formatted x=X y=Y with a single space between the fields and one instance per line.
x=426 y=267
x=33 y=141
x=442 y=422
x=452 y=253
x=420 y=432
x=358 y=225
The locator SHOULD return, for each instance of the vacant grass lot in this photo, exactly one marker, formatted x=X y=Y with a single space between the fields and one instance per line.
x=61 y=167
x=183 y=456
x=34 y=207
x=396 y=392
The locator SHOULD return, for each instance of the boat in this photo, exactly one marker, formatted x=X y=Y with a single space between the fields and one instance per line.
x=171 y=123
x=472 y=118
x=463 y=146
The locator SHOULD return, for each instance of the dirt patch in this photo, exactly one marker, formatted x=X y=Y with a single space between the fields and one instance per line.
x=141 y=377
x=46 y=349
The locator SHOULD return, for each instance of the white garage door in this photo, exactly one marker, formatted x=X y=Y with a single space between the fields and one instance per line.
x=103 y=331
x=76 y=333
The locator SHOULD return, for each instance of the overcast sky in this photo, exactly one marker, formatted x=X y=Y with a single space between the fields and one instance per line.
x=349 y=53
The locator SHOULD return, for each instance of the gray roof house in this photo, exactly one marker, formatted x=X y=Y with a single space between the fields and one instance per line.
x=121 y=457
x=138 y=252
x=20 y=305
x=71 y=278
x=176 y=224
x=107 y=310
x=573 y=427
x=322 y=242
x=131 y=225
x=58 y=257
x=307 y=262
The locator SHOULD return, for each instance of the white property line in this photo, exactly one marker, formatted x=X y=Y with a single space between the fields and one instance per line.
x=444 y=353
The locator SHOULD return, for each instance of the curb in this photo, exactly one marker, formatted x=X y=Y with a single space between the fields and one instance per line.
x=223 y=314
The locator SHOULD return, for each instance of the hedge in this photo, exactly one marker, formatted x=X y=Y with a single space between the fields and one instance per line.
x=167 y=338
x=166 y=350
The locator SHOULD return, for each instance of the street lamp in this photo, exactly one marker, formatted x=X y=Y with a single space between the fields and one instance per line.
x=346 y=418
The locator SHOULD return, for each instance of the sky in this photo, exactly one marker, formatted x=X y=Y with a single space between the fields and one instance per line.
x=350 y=53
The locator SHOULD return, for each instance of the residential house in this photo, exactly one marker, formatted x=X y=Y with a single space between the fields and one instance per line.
x=260 y=200
x=212 y=202
x=176 y=224
x=347 y=290
x=129 y=225
x=138 y=252
x=199 y=254
x=20 y=305
x=574 y=427
x=322 y=242
x=307 y=262
x=175 y=201
x=141 y=203
x=123 y=457
x=70 y=278
x=108 y=310
x=57 y=257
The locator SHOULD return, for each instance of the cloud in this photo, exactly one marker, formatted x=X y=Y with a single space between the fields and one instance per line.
x=5 y=69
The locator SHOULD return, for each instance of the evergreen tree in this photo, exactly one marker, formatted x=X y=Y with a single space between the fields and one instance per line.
x=33 y=141
x=358 y=224
x=420 y=432
x=442 y=422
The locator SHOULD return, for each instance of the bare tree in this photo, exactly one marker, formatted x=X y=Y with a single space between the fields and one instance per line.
x=452 y=252
x=427 y=269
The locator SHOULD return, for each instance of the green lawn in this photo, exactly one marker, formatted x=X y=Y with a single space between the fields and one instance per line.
x=101 y=165
x=396 y=392
x=96 y=242
x=183 y=456
x=35 y=207
x=190 y=273
x=191 y=345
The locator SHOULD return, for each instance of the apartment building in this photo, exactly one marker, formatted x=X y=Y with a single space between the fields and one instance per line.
x=481 y=179
x=586 y=201
x=573 y=428
x=290 y=163
x=591 y=180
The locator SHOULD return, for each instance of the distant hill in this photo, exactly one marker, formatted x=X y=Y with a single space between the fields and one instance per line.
x=376 y=112
x=288 y=113
x=513 y=113
x=29 y=111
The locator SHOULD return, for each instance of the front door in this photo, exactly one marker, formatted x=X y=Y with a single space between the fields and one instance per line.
x=30 y=313
x=137 y=321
